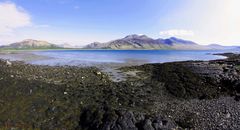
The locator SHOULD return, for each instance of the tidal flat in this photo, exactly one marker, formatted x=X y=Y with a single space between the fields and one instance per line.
x=176 y=95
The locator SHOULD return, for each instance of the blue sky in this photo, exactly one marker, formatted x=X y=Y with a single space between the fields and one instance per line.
x=80 y=22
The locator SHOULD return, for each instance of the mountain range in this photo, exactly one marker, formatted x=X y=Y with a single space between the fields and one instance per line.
x=144 y=42
x=130 y=42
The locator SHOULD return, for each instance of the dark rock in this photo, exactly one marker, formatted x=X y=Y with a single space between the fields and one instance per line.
x=123 y=120
x=32 y=97
x=147 y=125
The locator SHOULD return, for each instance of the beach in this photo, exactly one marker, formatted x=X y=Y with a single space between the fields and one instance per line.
x=176 y=95
x=119 y=65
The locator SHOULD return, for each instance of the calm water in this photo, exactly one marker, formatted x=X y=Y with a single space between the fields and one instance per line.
x=87 y=57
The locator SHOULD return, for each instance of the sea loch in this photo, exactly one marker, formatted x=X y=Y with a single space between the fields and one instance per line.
x=89 y=57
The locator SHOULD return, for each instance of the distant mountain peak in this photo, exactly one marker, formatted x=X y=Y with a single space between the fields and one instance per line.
x=31 y=44
x=214 y=44
x=136 y=36
x=135 y=41
x=28 y=40
x=33 y=41
x=174 y=40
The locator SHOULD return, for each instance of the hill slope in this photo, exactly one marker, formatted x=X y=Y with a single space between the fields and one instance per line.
x=30 y=44
x=145 y=42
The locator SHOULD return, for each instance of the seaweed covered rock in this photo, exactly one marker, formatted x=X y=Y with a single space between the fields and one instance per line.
x=108 y=119
x=65 y=97
x=195 y=79
x=180 y=81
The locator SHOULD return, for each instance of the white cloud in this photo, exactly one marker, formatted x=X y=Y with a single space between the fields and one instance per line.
x=12 y=17
x=213 y=21
x=177 y=32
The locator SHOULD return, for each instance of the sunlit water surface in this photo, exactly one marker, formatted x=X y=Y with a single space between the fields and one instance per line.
x=88 y=57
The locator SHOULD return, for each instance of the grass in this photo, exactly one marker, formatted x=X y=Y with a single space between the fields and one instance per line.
x=24 y=49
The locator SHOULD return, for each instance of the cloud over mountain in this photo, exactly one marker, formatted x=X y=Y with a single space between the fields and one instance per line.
x=177 y=32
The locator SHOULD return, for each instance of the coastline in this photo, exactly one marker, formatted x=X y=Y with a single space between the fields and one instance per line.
x=24 y=56
x=187 y=95
x=110 y=68
x=29 y=55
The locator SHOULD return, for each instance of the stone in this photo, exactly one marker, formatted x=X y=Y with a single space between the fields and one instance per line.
x=99 y=73
x=8 y=63
x=148 y=125
x=228 y=115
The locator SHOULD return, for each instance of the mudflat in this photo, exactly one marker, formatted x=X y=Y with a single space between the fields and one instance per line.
x=178 y=95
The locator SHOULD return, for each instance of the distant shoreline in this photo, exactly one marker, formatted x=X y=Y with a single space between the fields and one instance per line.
x=28 y=55
x=13 y=50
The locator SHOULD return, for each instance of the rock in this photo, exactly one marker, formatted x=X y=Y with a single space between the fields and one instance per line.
x=147 y=125
x=122 y=120
x=98 y=73
x=8 y=63
x=228 y=115
x=126 y=121
x=48 y=108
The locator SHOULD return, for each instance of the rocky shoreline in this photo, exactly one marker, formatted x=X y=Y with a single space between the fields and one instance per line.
x=179 y=95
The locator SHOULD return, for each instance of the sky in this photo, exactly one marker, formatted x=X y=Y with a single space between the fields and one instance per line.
x=80 y=22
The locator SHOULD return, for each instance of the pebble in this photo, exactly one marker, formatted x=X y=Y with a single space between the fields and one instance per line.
x=99 y=73
x=207 y=114
x=228 y=115
x=8 y=63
